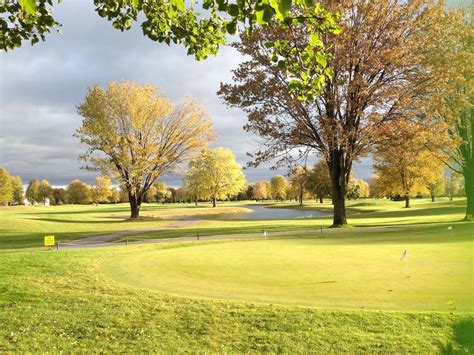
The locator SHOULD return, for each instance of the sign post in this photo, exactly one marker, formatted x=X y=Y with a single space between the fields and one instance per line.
x=49 y=241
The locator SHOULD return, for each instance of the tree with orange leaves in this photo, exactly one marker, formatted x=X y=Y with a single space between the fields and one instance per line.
x=403 y=162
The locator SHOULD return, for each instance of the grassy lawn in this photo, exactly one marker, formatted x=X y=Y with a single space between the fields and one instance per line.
x=25 y=226
x=341 y=292
x=61 y=301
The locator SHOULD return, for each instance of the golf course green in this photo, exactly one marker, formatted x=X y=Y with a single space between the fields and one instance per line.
x=355 y=270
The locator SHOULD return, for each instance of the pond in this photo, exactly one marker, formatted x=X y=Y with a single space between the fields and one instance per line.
x=262 y=212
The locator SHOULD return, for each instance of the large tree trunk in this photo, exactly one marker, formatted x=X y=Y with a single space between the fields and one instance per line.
x=213 y=202
x=469 y=189
x=433 y=197
x=407 y=201
x=339 y=173
x=301 y=196
x=321 y=199
x=135 y=204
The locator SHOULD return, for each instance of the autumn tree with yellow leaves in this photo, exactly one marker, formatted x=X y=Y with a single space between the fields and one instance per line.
x=449 y=54
x=402 y=161
x=261 y=191
x=101 y=191
x=298 y=183
x=214 y=175
x=136 y=134
x=319 y=181
x=278 y=187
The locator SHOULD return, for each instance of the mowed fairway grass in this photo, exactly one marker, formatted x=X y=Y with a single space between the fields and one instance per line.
x=25 y=226
x=342 y=291
x=352 y=270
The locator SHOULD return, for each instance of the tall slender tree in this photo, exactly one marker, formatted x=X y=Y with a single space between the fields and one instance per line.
x=449 y=54
x=32 y=191
x=17 y=189
x=298 y=182
x=45 y=191
x=319 y=181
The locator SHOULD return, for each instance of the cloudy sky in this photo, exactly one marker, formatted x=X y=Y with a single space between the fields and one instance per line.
x=40 y=87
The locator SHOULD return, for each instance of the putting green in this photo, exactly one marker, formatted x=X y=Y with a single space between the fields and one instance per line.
x=348 y=271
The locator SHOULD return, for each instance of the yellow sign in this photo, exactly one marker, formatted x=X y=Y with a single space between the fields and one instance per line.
x=49 y=241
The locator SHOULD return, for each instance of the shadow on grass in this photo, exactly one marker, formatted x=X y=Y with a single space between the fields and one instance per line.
x=435 y=211
x=463 y=338
x=85 y=211
x=77 y=221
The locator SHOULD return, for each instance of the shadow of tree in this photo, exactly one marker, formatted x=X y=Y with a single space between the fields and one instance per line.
x=463 y=338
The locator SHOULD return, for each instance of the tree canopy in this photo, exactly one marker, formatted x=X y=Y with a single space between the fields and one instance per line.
x=215 y=174
x=101 y=190
x=319 y=181
x=78 y=192
x=6 y=187
x=403 y=163
x=375 y=69
x=279 y=187
x=136 y=134
x=180 y=22
x=32 y=191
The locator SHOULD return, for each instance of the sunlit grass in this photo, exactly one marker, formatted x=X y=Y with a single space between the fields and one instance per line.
x=239 y=296
x=359 y=270
x=25 y=226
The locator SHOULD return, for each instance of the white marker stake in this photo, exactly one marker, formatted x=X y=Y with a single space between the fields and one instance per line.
x=405 y=259
x=451 y=229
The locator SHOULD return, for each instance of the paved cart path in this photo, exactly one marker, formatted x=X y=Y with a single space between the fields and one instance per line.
x=108 y=239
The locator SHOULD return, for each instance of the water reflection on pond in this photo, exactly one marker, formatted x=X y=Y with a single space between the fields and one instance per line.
x=262 y=212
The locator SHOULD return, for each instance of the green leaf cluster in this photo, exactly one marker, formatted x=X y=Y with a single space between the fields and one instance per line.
x=25 y=20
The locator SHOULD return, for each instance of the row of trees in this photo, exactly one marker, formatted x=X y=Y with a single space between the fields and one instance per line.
x=77 y=192
x=314 y=80
x=102 y=191
x=303 y=183
x=387 y=65
x=392 y=178
x=215 y=175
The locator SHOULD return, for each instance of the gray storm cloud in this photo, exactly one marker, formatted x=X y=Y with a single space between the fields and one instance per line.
x=40 y=87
